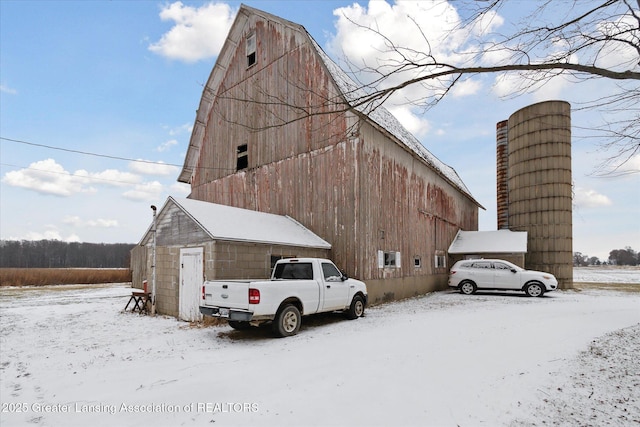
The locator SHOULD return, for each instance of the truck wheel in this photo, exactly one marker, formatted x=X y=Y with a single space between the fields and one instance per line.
x=356 y=309
x=238 y=325
x=287 y=321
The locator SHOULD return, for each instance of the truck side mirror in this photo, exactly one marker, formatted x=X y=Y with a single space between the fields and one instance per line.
x=344 y=277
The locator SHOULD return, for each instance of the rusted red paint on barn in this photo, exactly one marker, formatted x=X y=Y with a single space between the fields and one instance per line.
x=333 y=170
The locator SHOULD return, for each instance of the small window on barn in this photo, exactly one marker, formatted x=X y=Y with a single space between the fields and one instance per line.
x=242 y=161
x=389 y=259
x=251 y=50
x=417 y=261
x=440 y=260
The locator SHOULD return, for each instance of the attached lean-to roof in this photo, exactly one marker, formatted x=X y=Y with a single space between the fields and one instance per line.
x=500 y=241
x=228 y=223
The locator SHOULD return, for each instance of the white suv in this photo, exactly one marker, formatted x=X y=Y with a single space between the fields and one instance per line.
x=495 y=274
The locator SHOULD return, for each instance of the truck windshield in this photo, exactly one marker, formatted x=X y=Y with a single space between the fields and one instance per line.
x=297 y=271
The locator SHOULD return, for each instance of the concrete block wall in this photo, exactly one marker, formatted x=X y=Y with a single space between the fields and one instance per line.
x=237 y=260
x=167 y=280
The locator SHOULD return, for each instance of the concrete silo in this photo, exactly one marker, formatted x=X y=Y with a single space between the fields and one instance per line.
x=502 y=168
x=539 y=186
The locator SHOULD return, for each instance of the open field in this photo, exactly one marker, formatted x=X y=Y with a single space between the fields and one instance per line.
x=604 y=277
x=443 y=359
x=62 y=276
x=620 y=287
x=613 y=278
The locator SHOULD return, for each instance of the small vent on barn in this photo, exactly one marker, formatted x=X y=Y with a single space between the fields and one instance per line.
x=242 y=161
x=251 y=50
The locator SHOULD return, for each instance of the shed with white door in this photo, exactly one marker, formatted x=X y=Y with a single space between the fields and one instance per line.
x=197 y=240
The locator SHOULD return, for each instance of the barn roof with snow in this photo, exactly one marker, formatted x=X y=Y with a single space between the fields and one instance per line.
x=500 y=241
x=221 y=222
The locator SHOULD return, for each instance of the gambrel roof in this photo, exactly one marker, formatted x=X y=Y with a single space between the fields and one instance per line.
x=351 y=92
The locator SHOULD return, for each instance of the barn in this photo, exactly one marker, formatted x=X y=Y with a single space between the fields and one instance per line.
x=280 y=129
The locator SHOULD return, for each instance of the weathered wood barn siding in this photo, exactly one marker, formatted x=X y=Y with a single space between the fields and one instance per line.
x=347 y=180
x=407 y=207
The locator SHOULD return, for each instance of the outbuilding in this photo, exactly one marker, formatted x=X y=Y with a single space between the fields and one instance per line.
x=503 y=244
x=197 y=240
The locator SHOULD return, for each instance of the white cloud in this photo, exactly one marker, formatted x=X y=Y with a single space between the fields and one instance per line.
x=621 y=54
x=488 y=23
x=102 y=223
x=180 y=189
x=466 y=88
x=407 y=25
x=182 y=129
x=418 y=126
x=47 y=235
x=8 y=90
x=627 y=166
x=72 y=220
x=148 y=191
x=587 y=198
x=198 y=33
x=153 y=168
x=543 y=85
x=48 y=177
x=113 y=177
x=167 y=145
x=76 y=221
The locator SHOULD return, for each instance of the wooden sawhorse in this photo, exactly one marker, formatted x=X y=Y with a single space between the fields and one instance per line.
x=140 y=301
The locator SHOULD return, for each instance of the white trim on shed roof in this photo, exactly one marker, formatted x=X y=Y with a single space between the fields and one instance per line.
x=229 y=223
x=500 y=241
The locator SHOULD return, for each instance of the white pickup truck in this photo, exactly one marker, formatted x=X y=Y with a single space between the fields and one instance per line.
x=298 y=287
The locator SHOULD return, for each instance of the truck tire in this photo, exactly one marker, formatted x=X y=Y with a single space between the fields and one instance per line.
x=287 y=321
x=356 y=309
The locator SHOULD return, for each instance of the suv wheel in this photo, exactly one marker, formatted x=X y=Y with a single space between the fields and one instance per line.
x=468 y=288
x=534 y=290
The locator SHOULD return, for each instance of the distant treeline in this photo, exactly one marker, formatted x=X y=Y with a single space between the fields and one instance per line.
x=57 y=254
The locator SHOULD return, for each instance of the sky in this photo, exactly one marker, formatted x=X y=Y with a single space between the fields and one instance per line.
x=98 y=99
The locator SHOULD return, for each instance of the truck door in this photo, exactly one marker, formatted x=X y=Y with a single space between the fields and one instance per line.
x=336 y=291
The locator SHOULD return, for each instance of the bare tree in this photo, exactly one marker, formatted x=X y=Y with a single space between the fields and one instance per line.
x=585 y=41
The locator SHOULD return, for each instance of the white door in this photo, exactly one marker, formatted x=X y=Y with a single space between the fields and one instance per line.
x=191 y=279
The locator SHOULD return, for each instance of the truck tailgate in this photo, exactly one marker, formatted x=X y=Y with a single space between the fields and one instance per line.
x=228 y=294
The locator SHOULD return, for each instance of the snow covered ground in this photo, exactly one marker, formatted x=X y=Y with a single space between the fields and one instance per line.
x=607 y=275
x=70 y=356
